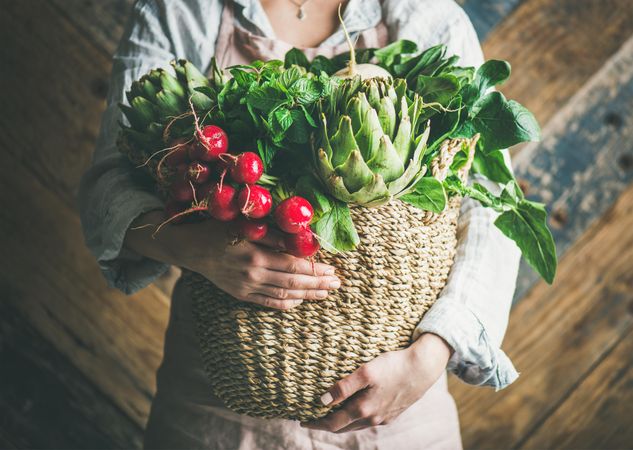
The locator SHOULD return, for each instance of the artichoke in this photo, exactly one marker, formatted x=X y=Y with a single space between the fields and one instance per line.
x=159 y=97
x=369 y=150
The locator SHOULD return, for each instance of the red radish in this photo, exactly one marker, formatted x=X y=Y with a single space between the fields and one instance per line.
x=251 y=230
x=204 y=190
x=294 y=214
x=178 y=153
x=182 y=191
x=247 y=168
x=173 y=208
x=255 y=201
x=223 y=203
x=302 y=244
x=213 y=143
x=198 y=173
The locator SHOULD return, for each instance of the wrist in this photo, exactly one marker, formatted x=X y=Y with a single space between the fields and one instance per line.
x=431 y=350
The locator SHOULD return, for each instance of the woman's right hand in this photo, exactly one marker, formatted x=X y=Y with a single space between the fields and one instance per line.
x=251 y=272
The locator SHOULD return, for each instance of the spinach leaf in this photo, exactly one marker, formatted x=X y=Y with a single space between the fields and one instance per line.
x=492 y=166
x=491 y=73
x=387 y=55
x=500 y=122
x=336 y=229
x=523 y=221
x=526 y=225
x=428 y=194
x=441 y=89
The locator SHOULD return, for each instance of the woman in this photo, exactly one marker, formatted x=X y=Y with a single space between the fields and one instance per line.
x=399 y=400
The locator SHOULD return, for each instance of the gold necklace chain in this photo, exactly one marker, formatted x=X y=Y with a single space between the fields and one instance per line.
x=301 y=14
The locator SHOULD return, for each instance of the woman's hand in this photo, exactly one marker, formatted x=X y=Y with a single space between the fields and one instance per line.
x=256 y=273
x=382 y=389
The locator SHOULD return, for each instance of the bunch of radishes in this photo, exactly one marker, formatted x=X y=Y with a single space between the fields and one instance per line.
x=205 y=177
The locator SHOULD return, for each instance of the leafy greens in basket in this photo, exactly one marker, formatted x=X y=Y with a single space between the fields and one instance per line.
x=338 y=140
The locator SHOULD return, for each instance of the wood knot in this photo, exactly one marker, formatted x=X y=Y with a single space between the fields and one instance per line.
x=614 y=120
x=99 y=88
x=559 y=218
x=625 y=161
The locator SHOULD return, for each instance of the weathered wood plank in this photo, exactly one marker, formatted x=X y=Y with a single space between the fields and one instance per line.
x=598 y=412
x=49 y=120
x=101 y=21
x=115 y=340
x=46 y=402
x=557 y=334
x=585 y=159
x=487 y=14
x=555 y=46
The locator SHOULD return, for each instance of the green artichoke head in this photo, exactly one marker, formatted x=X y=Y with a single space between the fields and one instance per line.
x=368 y=151
x=158 y=97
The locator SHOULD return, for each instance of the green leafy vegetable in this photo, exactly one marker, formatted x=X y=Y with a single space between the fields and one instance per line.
x=523 y=221
x=502 y=123
x=428 y=194
x=336 y=229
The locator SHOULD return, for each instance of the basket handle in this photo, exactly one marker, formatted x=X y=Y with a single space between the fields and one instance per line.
x=448 y=151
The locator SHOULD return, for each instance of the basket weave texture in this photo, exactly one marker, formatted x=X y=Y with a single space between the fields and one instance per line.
x=276 y=364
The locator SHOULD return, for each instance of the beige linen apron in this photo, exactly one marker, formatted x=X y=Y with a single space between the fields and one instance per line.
x=185 y=414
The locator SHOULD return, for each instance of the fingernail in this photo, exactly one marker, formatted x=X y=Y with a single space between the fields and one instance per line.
x=335 y=284
x=326 y=398
x=329 y=271
x=297 y=302
x=321 y=294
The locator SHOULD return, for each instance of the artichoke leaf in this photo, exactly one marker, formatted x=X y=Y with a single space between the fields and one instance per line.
x=402 y=142
x=387 y=116
x=386 y=161
x=355 y=172
x=396 y=187
x=343 y=142
x=369 y=134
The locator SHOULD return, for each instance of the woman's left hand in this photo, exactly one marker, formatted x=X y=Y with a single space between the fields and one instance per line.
x=379 y=391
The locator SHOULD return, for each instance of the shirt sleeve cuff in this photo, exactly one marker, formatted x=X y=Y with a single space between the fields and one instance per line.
x=125 y=269
x=475 y=360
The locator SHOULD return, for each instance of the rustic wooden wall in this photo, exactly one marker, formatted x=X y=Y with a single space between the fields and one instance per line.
x=77 y=359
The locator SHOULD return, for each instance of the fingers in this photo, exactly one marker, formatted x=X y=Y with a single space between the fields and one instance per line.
x=274 y=303
x=348 y=386
x=273 y=239
x=283 y=293
x=304 y=282
x=283 y=262
x=357 y=414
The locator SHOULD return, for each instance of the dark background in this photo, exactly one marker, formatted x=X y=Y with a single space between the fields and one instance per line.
x=77 y=359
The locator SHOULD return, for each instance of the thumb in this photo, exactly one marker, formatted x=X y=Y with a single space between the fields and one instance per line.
x=346 y=387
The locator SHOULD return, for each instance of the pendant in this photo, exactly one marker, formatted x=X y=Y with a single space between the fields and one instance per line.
x=301 y=15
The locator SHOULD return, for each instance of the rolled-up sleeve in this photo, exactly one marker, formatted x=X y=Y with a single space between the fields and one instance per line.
x=111 y=195
x=472 y=311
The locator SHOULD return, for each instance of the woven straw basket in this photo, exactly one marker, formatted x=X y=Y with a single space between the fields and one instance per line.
x=276 y=364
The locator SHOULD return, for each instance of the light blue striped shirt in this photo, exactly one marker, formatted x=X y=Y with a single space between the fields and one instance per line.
x=472 y=311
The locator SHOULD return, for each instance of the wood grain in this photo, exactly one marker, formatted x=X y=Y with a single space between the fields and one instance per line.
x=555 y=46
x=595 y=414
x=54 y=281
x=585 y=159
x=487 y=14
x=101 y=21
x=557 y=334
x=50 y=117
x=46 y=402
